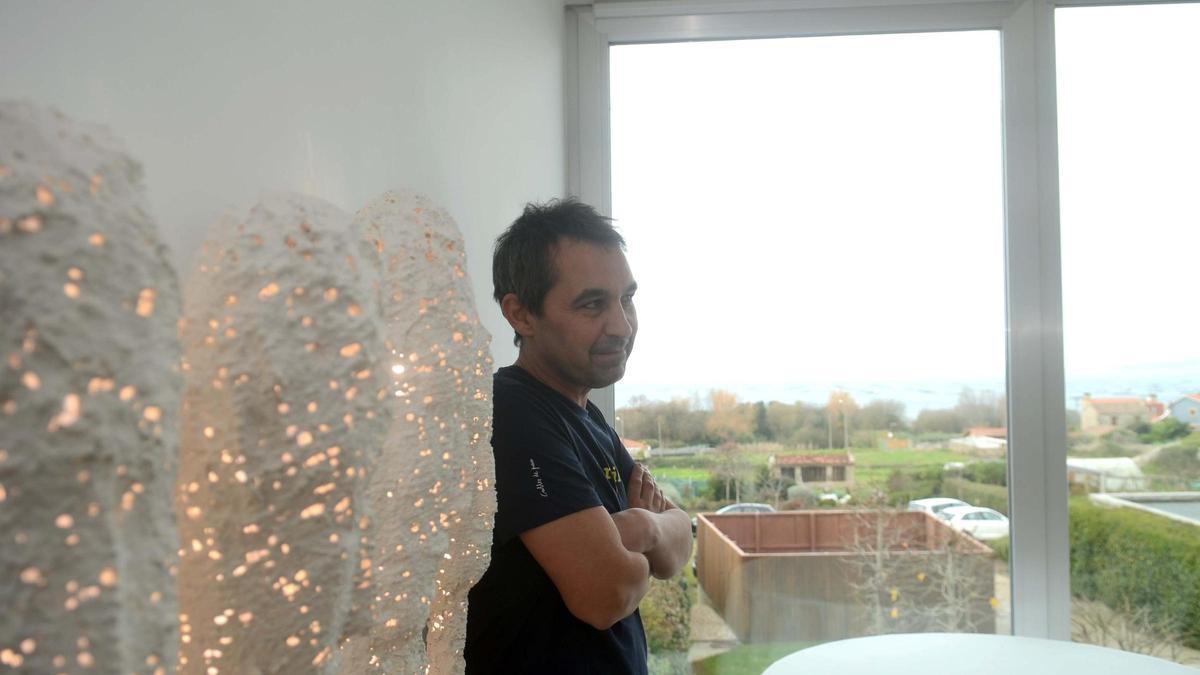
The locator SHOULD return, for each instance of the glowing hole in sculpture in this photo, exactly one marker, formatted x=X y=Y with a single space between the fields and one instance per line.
x=68 y=415
x=350 y=350
x=32 y=576
x=71 y=290
x=145 y=302
x=75 y=274
x=209 y=432
x=96 y=239
x=31 y=380
x=270 y=290
x=108 y=577
x=127 y=392
x=30 y=224
x=152 y=413
x=398 y=369
x=312 y=511
x=44 y=196
x=304 y=438
x=64 y=521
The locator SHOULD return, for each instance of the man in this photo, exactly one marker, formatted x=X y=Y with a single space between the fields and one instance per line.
x=579 y=526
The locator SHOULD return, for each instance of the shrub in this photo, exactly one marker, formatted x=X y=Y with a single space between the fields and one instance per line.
x=992 y=473
x=667 y=615
x=1176 y=460
x=1000 y=546
x=1128 y=558
x=1166 y=430
x=904 y=486
x=978 y=494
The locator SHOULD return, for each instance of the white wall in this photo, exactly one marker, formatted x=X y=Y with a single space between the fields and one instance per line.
x=460 y=99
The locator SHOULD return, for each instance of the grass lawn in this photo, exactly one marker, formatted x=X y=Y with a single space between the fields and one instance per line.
x=682 y=473
x=747 y=659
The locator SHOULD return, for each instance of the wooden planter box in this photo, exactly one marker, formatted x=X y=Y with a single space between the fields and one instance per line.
x=832 y=574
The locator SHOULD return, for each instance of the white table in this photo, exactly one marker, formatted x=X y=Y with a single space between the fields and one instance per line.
x=968 y=654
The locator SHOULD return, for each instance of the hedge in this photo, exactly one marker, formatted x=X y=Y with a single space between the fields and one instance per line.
x=667 y=617
x=1124 y=557
x=977 y=494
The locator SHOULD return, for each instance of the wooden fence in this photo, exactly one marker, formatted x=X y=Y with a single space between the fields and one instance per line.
x=818 y=575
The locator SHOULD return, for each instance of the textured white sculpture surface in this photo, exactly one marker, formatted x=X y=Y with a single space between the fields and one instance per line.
x=89 y=400
x=281 y=424
x=431 y=488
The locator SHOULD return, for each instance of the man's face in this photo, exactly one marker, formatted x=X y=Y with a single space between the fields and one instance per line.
x=588 y=322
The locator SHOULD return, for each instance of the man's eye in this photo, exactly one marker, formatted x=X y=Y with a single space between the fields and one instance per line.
x=627 y=300
x=594 y=304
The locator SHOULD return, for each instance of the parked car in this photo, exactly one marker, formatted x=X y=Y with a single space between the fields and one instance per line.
x=934 y=506
x=740 y=507
x=977 y=521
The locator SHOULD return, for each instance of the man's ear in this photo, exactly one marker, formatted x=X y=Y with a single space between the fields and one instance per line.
x=518 y=315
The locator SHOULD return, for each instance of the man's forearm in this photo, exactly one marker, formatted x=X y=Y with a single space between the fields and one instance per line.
x=674 y=545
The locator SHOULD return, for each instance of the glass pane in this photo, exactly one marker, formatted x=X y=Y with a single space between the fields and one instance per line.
x=1128 y=143
x=816 y=227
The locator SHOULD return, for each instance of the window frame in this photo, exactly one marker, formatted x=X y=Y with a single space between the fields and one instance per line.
x=1040 y=556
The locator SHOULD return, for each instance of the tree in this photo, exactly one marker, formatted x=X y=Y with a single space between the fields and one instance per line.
x=945 y=421
x=728 y=421
x=840 y=408
x=762 y=430
x=729 y=466
x=882 y=415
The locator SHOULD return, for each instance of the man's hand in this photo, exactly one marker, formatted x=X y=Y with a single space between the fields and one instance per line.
x=643 y=493
x=654 y=526
x=639 y=529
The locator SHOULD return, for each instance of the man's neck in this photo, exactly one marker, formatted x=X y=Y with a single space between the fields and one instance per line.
x=548 y=377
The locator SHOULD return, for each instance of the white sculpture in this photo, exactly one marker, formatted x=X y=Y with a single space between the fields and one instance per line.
x=89 y=399
x=286 y=384
x=432 y=486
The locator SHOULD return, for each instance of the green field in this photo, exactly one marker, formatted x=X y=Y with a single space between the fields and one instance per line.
x=749 y=659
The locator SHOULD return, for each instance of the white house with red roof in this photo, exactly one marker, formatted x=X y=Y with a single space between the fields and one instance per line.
x=1112 y=412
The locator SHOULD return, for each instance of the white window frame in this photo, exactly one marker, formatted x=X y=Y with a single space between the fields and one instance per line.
x=1040 y=556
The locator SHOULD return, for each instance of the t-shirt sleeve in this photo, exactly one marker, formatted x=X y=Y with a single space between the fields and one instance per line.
x=539 y=478
x=624 y=460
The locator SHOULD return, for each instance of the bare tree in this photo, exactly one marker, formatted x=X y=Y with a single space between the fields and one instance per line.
x=906 y=584
x=1128 y=628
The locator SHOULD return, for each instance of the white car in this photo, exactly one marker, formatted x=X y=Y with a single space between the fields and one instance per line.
x=977 y=521
x=934 y=506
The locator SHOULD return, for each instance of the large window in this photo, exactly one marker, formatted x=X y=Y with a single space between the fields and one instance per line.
x=1128 y=147
x=1113 y=283
x=817 y=230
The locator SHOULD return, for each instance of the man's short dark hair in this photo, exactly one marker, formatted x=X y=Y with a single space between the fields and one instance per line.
x=522 y=260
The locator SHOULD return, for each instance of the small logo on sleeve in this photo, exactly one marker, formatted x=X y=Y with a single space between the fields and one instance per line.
x=536 y=472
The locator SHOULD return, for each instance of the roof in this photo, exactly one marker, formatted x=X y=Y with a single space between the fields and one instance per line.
x=1186 y=397
x=631 y=444
x=1117 y=405
x=822 y=460
x=991 y=432
x=1111 y=466
x=978 y=442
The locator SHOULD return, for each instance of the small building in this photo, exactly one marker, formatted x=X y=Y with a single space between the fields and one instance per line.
x=825 y=470
x=1095 y=413
x=637 y=449
x=1106 y=474
x=988 y=432
x=1186 y=410
x=980 y=446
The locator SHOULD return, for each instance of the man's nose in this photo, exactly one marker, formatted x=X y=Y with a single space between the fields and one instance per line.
x=620 y=322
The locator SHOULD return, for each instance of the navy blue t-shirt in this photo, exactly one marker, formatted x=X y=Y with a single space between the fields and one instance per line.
x=553 y=459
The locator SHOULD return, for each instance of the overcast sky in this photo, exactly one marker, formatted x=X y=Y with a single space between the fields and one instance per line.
x=830 y=209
